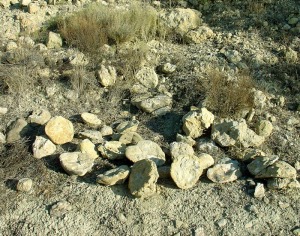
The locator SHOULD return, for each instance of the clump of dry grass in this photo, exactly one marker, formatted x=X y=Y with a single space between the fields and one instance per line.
x=96 y=25
x=228 y=97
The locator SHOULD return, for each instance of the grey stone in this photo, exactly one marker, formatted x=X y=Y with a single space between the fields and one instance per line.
x=199 y=35
x=60 y=208
x=127 y=126
x=130 y=138
x=264 y=128
x=94 y=135
x=147 y=77
x=24 y=185
x=206 y=145
x=185 y=139
x=279 y=169
x=260 y=163
x=40 y=117
x=107 y=76
x=279 y=183
x=2 y=138
x=42 y=147
x=106 y=130
x=17 y=131
x=259 y=191
x=91 y=120
x=114 y=176
x=152 y=103
x=178 y=149
x=112 y=150
x=54 y=41
x=146 y=149
x=167 y=68
x=143 y=178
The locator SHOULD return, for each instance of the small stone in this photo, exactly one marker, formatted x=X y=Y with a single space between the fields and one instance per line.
x=40 y=117
x=279 y=169
x=297 y=165
x=107 y=76
x=18 y=130
x=264 y=128
x=59 y=130
x=146 y=149
x=147 y=77
x=91 y=120
x=259 y=191
x=180 y=149
x=164 y=172
x=86 y=146
x=42 y=147
x=24 y=185
x=93 y=135
x=3 y=110
x=106 y=131
x=199 y=35
x=206 y=161
x=127 y=126
x=143 y=178
x=33 y=8
x=159 y=104
x=114 y=176
x=25 y=3
x=54 y=41
x=2 y=138
x=223 y=173
x=293 y=21
x=261 y=163
x=279 y=183
x=186 y=171
x=10 y=46
x=200 y=232
x=167 y=68
x=130 y=138
x=185 y=139
x=60 y=209
x=206 y=145
x=76 y=163
x=221 y=223
x=122 y=217
x=112 y=150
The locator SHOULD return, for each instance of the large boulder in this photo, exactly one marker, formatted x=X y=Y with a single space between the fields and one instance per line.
x=146 y=149
x=143 y=178
x=59 y=130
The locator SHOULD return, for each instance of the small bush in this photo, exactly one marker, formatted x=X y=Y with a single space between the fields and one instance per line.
x=91 y=28
x=228 y=97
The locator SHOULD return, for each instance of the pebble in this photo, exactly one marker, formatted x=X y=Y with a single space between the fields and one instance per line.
x=221 y=223
x=3 y=110
x=259 y=191
x=24 y=185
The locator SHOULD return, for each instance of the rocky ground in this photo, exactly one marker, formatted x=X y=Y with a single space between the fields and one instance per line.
x=195 y=132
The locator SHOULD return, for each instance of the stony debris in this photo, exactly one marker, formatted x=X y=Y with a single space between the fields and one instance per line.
x=94 y=135
x=259 y=191
x=91 y=120
x=76 y=163
x=54 y=41
x=146 y=149
x=206 y=160
x=195 y=122
x=178 y=149
x=112 y=150
x=260 y=163
x=279 y=169
x=127 y=126
x=143 y=178
x=114 y=176
x=227 y=171
x=107 y=76
x=59 y=130
x=60 y=208
x=279 y=183
x=206 y=145
x=130 y=138
x=264 y=128
x=17 y=130
x=185 y=139
x=40 y=117
x=229 y=133
x=147 y=77
x=249 y=154
x=199 y=35
x=87 y=146
x=24 y=185
x=186 y=171
x=42 y=147
x=106 y=130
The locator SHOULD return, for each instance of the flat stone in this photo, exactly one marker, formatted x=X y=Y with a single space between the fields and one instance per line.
x=112 y=150
x=279 y=183
x=151 y=104
x=279 y=169
x=60 y=209
x=114 y=176
x=91 y=120
x=88 y=147
x=17 y=131
x=59 y=130
x=42 y=147
x=186 y=171
x=94 y=135
x=24 y=185
x=180 y=149
x=260 y=163
x=226 y=172
x=143 y=178
x=40 y=117
x=76 y=163
x=146 y=149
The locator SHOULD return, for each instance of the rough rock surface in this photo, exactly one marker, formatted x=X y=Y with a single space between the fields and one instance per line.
x=279 y=169
x=42 y=147
x=130 y=138
x=54 y=41
x=107 y=76
x=146 y=149
x=91 y=120
x=94 y=135
x=114 y=176
x=59 y=130
x=147 y=77
x=127 y=126
x=178 y=149
x=18 y=130
x=264 y=128
x=199 y=35
x=24 y=185
x=40 y=117
x=143 y=178
x=279 y=183
x=112 y=150
x=158 y=104
x=206 y=160
x=87 y=146
x=260 y=163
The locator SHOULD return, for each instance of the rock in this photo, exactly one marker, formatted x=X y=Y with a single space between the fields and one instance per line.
x=195 y=122
x=180 y=149
x=152 y=104
x=264 y=128
x=59 y=130
x=107 y=76
x=114 y=176
x=106 y=130
x=293 y=21
x=167 y=68
x=86 y=146
x=25 y=3
x=3 y=110
x=250 y=154
x=91 y=120
x=296 y=231
x=181 y=20
x=147 y=77
x=260 y=163
x=221 y=223
x=112 y=150
x=206 y=161
x=60 y=209
x=40 y=117
x=54 y=41
x=24 y=185
x=42 y=147
x=233 y=56
x=130 y=138
x=297 y=165
x=259 y=191
x=2 y=138
x=18 y=130
x=127 y=126
x=291 y=56
x=10 y=46
x=186 y=171
x=76 y=163
x=146 y=149
x=185 y=139
x=94 y=135
x=279 y=169
x=225 y=172
x=259 y=99
x=229 y=133
x=78 y=59
x=200 y=232
x=199 y=35
x=33 y=8
x=143 y=178
x=164 y=172
x=279 y=183
x=139 y=89
x=206 y=145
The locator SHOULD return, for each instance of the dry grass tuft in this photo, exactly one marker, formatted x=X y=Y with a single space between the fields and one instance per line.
x=228 y=97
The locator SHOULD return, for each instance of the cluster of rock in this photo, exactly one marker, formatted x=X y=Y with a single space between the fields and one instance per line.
x=293 y=24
